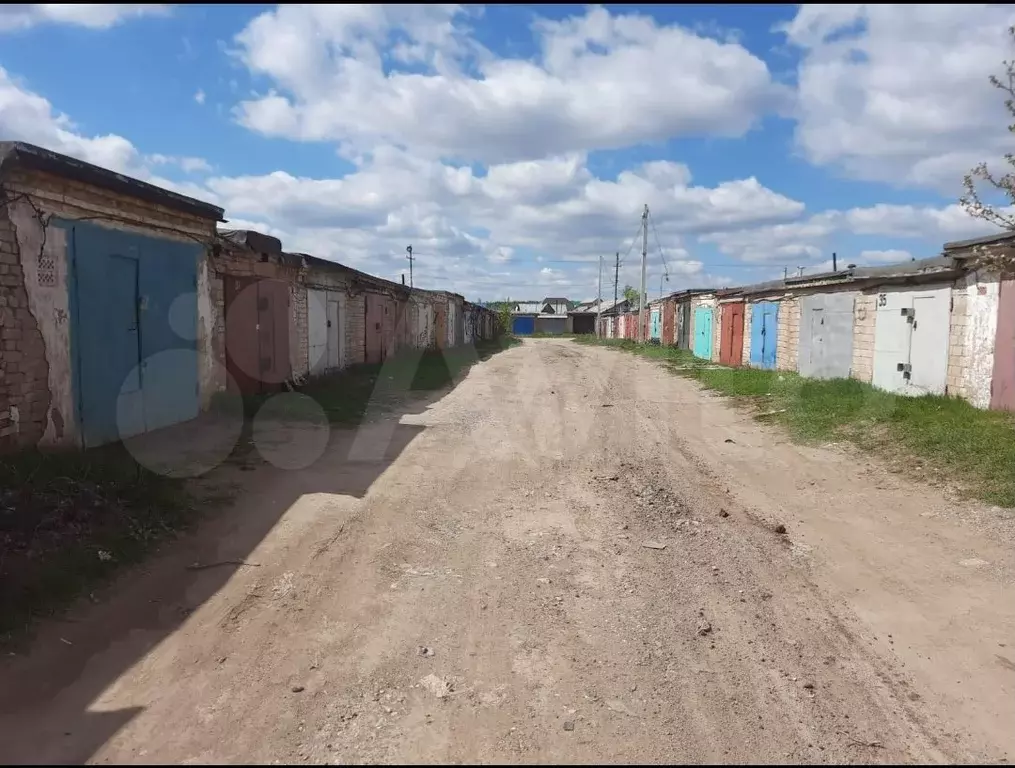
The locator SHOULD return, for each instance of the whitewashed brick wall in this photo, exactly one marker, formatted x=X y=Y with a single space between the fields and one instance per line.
x=788 y=344
x=748 y=314
x=864 y=317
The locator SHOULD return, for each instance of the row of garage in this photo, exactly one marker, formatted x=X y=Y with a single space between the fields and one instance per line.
x=290 y=316
x=935 y=326
x=124 y=308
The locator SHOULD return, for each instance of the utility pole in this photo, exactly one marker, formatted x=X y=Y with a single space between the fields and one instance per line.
x=616 y=280
x=599 y=294
x=644 y=265
x=409 y=257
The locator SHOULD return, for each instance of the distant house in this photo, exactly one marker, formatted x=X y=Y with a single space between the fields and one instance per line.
x=555 y=306
x=618 y=307
x=584 y=306
x=527 y=308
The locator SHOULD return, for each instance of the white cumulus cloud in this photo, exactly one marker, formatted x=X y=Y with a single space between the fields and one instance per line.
x=900 y=93
x=15 y=16
x=599 y=81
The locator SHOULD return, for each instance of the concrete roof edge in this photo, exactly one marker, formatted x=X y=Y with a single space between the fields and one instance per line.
x=961 y=245
x=319 y=263
x=20 y=153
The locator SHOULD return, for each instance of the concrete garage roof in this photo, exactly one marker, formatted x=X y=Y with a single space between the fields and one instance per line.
x=19 y=154
x=912 y=272
x=998 y=239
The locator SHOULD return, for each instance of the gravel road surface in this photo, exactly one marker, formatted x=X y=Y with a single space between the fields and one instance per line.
x=572 y=556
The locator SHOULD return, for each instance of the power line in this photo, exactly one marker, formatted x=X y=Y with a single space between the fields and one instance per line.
x=631 y=246
x=662 y=257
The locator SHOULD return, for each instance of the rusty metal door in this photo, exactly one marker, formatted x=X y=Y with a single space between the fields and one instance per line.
x=442 y=326
x=388 y=344
x=273 y=332
x=731 y=341
x=373 y=328
x=1002 y=385
x=241 y=338
x=669 y=312
x=257 y=333
x=403 y=324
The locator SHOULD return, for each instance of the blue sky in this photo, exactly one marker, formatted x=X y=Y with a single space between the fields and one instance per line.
x=513 y=145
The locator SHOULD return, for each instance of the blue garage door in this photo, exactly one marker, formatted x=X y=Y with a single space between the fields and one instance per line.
x=134 y=351
x=523 y=326
x=656 y=325
x=703 y=333
x=764 y=334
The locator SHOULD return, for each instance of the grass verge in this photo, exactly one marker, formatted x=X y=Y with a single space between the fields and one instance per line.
x=937 y=437
x=344 y=396
x=69 y=520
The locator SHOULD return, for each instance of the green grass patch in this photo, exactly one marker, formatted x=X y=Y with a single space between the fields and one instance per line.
x=344 y=396
x=70 y=519
x=937 y=437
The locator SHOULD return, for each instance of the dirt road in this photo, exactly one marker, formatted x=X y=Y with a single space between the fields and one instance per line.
x=492 y=586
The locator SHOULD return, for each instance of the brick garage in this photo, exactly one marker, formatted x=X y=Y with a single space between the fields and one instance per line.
x=250 y=257
x=974 y=341
x=45 y=195
x=331 y=276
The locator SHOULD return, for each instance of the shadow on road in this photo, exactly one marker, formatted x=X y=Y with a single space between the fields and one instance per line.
x=50 y=698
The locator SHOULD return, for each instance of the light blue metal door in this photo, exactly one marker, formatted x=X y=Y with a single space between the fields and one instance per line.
x=135 y=361
x=764 y=334
x=168 y=286
x=107 y=346
x=656 y=327
x=703 y=333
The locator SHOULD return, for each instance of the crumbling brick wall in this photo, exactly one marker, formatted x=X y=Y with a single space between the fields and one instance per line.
x=24 y=371
x=355 y=329
x=716 y=331
x=972 y=336
x=748 y=315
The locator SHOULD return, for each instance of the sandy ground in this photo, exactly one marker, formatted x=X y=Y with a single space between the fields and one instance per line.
x=469 y=581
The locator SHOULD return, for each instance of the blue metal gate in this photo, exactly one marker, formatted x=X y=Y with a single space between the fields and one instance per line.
x=135 y=367
x=523 y=325
x=764 y=334
x=656 y=327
